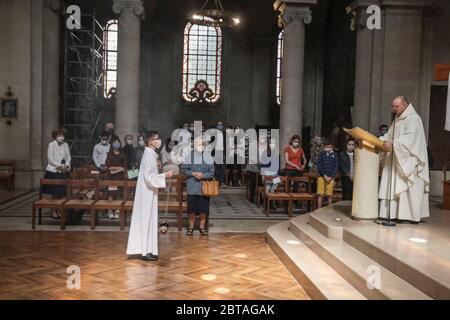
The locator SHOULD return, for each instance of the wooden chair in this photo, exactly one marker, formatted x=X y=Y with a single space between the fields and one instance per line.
x=259 y=189
x=302 y=195
x=48 y=203
x=74 y=202
x=446 y=188
x=279 y=195
x=128 y=198
x=105 y=204
x=7 y=171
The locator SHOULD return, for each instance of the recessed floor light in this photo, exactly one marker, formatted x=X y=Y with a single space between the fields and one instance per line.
x=222 y=290
x=209 y=277
x=418 y=240
x=240 y=255
x=293 y=242
x=338 y=219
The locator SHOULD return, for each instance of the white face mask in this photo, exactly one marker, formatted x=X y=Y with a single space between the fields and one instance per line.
x=60 y=139
x=104 y=142
x=142 y=143
x=296 y=144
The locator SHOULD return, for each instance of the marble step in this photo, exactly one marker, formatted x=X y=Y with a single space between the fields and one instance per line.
x=354 y=266
x=316 y=277
x=423 y=266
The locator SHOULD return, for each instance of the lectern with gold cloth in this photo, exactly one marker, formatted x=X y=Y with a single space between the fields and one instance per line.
x=366 y=173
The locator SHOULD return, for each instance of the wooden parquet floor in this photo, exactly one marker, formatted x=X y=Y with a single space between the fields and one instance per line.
x=222 y=266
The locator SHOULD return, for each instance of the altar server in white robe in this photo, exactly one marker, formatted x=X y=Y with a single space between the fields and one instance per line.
x=143 y=237
x=410 y=187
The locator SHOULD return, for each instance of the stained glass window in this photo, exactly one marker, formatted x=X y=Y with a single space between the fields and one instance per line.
x=202 y=63
x=110 y=38
x=280 y=53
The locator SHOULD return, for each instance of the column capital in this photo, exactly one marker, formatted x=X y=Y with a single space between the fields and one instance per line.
x=54 y=5
x=293 y=10
x=132 y=6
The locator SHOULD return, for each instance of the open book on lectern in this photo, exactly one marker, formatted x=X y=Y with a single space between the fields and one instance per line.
x=369 y=140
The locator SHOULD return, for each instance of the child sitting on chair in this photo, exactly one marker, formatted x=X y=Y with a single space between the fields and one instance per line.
x=327 y=168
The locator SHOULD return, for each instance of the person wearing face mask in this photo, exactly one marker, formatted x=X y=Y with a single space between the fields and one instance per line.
x=314 y=151
x=109 y=128
x=327 y=168
x=100 y=152
x=129 y=149
x=347 y=169
x=170 y=162
x=116 y=162
x=295 y=160
x=138 y=153
x=58 y=167
x=197 y=170
x=143 y=236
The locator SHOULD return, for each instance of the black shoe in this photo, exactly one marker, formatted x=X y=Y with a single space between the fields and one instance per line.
x=190 y=232
x=151 y=257
x=204 y=231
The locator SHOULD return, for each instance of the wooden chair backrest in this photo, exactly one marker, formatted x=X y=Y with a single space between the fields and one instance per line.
x=445 y=168
x=102 y=184
x=281 y=186
x=130 y=186
x=307 y=180
x=82 y=183
x=52 y=182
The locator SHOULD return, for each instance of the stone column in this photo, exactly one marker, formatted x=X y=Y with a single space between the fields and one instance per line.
x=127 y=102
x=406 y=66
x=51 y=81
x=37 y=37
x=389 y=62
x=368 y=60
x=294 y=14
x=261 y=49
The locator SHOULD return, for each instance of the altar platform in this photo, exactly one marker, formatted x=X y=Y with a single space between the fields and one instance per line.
x=335 y=257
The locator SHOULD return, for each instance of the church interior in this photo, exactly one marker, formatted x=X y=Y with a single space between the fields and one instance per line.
x=79 y=77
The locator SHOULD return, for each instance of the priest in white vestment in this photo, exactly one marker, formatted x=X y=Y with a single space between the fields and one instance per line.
x=408 y=191
x=143 y=237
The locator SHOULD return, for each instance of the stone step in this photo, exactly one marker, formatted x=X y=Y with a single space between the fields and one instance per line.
x=354 y=266
x=316 y=277
x=422 y=266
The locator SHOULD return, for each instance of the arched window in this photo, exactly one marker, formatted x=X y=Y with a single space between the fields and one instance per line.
x=280 y=53
x=202 y=63
x=110 y=37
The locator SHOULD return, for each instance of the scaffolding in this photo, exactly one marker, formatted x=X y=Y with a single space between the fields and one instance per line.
x=83 y=104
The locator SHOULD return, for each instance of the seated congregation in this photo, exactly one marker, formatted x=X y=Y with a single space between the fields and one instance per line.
x=105 y=187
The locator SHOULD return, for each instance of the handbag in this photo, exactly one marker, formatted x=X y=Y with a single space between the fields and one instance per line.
x=210 y=188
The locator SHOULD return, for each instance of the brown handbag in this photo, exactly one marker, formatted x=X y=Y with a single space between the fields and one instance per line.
x=210 y=188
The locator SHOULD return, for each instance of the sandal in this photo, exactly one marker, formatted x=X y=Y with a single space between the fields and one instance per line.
x=190 y=232
x=204 y=231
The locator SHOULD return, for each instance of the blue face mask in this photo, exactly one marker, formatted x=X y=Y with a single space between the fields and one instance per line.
x=220 y=127
x=116 y=145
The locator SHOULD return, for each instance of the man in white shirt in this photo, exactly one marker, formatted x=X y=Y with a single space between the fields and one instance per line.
x=100 y=152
